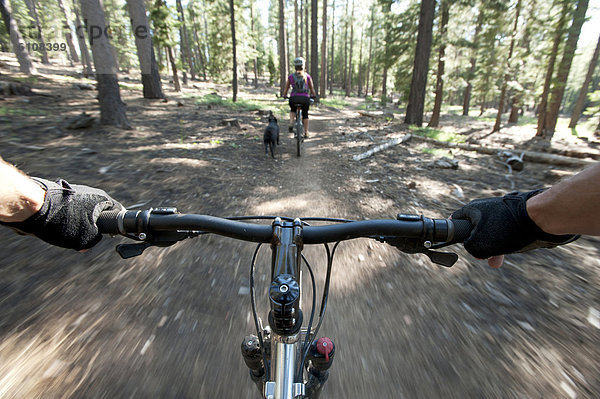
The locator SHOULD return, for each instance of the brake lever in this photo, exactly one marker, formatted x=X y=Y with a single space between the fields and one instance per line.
x=158 y=239
x=414 y=246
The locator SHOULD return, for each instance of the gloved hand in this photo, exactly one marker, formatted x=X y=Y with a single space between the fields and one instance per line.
x=501 y=226
x=68 y=216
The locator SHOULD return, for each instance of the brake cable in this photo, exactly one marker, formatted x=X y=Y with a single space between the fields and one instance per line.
x=308 y=339
x=255 y=315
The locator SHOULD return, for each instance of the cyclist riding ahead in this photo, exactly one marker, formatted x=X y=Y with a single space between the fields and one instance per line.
x=301 y=84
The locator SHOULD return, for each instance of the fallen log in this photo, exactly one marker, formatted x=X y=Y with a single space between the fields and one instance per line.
x=381 y=147
x=369 y=114
x=530 y=156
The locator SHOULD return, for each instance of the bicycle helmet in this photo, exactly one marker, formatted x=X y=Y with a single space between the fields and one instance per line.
x=299 y=62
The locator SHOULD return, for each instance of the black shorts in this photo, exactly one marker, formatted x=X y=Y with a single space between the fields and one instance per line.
x=302 y=101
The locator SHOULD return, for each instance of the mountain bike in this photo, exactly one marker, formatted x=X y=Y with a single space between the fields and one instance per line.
x=299 y=128
x=285 y=359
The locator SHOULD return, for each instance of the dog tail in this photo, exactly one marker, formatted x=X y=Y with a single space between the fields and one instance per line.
x=272 y=148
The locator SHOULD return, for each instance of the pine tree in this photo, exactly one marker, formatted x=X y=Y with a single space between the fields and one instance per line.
x=283 y=62
x=473 y=61
x=20 y=49
x=67 y=26
x=548 y=125
x=323 y=89
x=186 y=54
x=162 y=21
x=234 y=44
x=349 y=75
x=370 y=48
x=314 y=46
x=496 y=127
x=416 y=99
x=86 y=60
x=112 y=109
x=152 y=86
x=584 y=87
x=439 y=85
x=32 y=7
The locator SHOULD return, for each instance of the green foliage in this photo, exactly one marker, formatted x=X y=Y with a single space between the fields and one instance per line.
x=335 y=102
x=6 y=111
x=438 y=152
x=117 y=18
x=436 y=134
x=239 y=105
x=271 y=68
x=164 y=24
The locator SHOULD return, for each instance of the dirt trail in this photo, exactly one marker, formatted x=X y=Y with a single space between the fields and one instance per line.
x=168 y=324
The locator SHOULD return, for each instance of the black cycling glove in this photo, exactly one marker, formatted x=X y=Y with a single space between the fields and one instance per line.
x=68 y=216
x=501 y=226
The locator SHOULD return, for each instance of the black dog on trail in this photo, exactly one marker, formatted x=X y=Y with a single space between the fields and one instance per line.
x=271 y=136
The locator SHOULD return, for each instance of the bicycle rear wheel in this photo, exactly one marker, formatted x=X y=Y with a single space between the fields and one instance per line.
x=299 y=129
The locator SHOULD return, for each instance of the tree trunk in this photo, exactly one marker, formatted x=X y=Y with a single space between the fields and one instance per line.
x=323 y=89
x=19 y=47
x=560 y=83
x=31 y=6
x=234 y=44
x=206 y=49
x=416 y=98
x=514 y=109
x=314 y=45
x=370 y=48
x=331 y=53
x=300 y=20
x=439 y=84
x=86 y=60
x=176 y=84
x=471 y=74
x=185 y=42
x=145 y=50
x=345 y=48
x=68 y=33
x=543 y=107
x=349 y=81
x=496 y=127
x=255 y=58
x=282 y=45
x=360 y=63
x=384 y=84
x=199 y=50
x=306 y=33
x=296 y=49
x=584 y=87
x=112 y=109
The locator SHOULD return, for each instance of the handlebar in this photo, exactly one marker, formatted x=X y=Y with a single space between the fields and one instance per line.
x=153 y=221
x=165 y=226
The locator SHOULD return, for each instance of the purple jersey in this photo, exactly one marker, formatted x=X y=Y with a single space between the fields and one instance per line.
x=299 y=84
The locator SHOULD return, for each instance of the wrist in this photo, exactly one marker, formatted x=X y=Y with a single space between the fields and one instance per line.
x=26 y=202
x=538 y=212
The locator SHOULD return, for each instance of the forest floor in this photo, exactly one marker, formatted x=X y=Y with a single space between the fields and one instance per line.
x=168 y=324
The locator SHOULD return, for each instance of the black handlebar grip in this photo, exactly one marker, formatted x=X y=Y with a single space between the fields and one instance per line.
x=108 y=222
x=462 y=229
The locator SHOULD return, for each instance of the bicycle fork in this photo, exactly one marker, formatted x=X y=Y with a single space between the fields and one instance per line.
x=284 y=363
x=283 y=339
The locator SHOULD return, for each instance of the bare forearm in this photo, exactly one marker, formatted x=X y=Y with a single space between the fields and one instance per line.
x=20 y=197
x=571 y=206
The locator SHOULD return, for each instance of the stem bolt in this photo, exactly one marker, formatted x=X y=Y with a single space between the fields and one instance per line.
x=142 y=236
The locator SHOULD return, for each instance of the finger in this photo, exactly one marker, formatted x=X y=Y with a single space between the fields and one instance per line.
x=496 y=261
